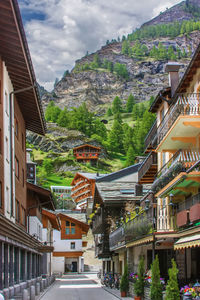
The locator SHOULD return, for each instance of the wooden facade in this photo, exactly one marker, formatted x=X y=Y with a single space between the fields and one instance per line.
x=86 y=153
x=83 y=187
x=72 y=229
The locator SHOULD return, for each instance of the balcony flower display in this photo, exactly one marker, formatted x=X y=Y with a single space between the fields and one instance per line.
x=189 y=289
x=133 y=277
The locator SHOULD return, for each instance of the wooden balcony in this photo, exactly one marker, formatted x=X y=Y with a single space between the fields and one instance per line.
x=87 y=155
x=188 y=211
x=180 y=124
x=139 y=227
x=150 y=141
x=166 y=220
x=195 y=213
x=148 y=169
x=180 y=162
x=182 y=218
x=117 y=238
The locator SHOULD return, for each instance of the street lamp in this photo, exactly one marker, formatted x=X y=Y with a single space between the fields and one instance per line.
x=147 y=203
x=137 y=211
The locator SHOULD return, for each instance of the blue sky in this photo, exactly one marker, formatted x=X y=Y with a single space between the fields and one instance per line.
x=61 y=31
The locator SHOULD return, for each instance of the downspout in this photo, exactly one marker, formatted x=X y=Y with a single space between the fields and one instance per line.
x=11 y=140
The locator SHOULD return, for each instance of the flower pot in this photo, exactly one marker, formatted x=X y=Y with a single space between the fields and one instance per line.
x=123 y=294
x=137 y=298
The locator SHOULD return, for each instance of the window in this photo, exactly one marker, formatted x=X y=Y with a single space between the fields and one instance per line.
x=1 y=200
x=6 y=103
x=16 y=128
x=23 y=177
x=7 y=150
x=73 y=245
x=23 y=216
x=16 y=167
x=70 y=228
x=17 y=211
x=1 y=147
x=22 y=142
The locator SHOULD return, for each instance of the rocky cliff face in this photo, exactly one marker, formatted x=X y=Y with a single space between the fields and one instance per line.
x=95 y=87
x=176 y=13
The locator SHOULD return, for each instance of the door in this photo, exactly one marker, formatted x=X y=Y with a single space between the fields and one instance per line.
x=74 y=266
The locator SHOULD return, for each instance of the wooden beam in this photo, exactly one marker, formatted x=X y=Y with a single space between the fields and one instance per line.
x=191 y=140
x=195 y=124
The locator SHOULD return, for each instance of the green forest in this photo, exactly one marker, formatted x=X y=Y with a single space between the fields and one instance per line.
x=120 y=138
x=164 y=30
x=160 y=52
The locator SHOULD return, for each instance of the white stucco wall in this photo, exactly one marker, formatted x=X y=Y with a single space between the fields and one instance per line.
x=35 y=227
x=7 y=89
x=65 y=245
x=58 y=264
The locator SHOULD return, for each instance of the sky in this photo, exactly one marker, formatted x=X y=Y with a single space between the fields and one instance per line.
x=61 y=31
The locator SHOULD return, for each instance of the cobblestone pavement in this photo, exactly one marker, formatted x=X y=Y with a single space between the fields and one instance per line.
x=77 y=287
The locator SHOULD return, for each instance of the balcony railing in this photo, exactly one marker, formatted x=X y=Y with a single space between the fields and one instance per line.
x=117 y=238
x=180 y=162
x=151 y=138
x=149 y=162
x=166 y=221
x=188 y=210
x=139 y=227
x=186 y=104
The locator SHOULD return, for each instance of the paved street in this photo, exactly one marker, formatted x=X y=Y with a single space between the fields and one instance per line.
x=77 y=287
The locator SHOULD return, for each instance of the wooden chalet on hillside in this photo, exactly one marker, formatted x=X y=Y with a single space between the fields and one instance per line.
x=87 y=153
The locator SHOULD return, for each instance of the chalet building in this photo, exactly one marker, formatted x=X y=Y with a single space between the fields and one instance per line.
x=68 y=245
x=116 y=196
x=173 y=204
x=21 y=252
x=87 y=153
x=83 y=186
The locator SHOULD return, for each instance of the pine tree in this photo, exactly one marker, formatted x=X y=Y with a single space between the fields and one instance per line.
x=130 y=102
x=172 y=289
x=115 y=137
x=130 y=157
x=109 y=112
x=128 y=137
x=116 y=105
x=156 y=287
x=63 y=119
x=135 y=112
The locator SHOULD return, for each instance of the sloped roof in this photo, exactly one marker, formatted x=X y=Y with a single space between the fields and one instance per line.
x=158 y=100
x=117 y=193
x=15 y=53
x=83 y=225
x=87 y=145
x=53 y=218
x=118 y=174
x=44 y=195
x=91 y=176
x=190 y=71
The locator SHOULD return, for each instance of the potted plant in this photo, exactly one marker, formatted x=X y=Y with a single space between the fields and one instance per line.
x=124 y=284
x=156 y=287
x=139 y=282
x=172 y=289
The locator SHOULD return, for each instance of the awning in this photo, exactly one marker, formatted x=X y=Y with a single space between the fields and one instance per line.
x=142 y=241
x=188 y=242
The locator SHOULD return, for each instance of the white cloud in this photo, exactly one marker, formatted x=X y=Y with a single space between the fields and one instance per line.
x=71 y=27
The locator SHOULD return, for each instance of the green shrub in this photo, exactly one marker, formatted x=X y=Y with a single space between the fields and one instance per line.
x=172 y=290
x=156 y=287
x=124 y=284
x=139 y=283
